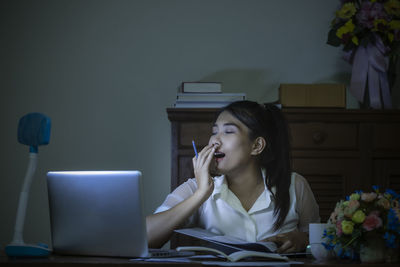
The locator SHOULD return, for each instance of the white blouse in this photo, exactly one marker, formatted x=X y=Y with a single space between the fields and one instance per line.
x=223 y=214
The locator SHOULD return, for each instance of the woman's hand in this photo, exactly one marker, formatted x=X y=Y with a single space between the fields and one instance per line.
x=160 y=226
x=294 y=241
x=201 y=167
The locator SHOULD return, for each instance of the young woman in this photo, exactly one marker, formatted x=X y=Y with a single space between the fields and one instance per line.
x=256 y=197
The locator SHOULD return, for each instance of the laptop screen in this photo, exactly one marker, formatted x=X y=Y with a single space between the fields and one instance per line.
x=97 y=213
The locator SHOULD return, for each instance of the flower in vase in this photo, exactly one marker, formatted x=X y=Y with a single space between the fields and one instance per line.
x=363 y=216
x=358 y=216
x=347 y=227
x=368 y=197
x=392 y=7
x=372 y=221
x=369 y=33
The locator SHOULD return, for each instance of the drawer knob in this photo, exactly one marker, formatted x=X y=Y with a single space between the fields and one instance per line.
x=318 y=137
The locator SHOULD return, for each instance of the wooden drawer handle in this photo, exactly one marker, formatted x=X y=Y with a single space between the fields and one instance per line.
x=318 y=137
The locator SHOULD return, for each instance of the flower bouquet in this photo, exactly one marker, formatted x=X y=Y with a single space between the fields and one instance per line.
x=369 y=31
x=364 y=218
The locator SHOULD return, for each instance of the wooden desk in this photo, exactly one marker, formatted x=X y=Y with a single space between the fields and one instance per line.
x=64 y=261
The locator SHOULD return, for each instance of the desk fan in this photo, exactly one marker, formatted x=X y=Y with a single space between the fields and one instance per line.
x=33 y=130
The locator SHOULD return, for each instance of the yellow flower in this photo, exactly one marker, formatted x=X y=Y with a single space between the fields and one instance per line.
x=394 y=24
x=347 y=227
x=354 y=196
x=358 y=216
x=392 y=7
x=354 y=39
x=347 y=11
x=348 y=27
x=378 y=22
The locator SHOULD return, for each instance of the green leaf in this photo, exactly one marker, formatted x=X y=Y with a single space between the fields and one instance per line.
x=333 y=39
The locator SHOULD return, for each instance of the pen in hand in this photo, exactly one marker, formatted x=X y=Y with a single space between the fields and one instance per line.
x=195 y=150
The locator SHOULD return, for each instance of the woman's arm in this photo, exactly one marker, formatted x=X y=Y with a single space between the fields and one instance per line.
x=160 y=226
x=308 y=212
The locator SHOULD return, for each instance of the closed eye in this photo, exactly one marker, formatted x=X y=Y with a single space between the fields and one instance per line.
x=230 y=129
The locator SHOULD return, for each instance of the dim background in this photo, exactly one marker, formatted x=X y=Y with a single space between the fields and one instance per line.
x=105 y=72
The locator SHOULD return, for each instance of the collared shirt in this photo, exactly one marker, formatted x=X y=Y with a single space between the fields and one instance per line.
x=223 y=214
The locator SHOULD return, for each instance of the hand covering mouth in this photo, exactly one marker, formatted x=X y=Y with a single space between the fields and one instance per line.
x=219 y=155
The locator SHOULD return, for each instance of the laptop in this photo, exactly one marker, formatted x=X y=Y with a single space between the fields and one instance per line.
x=99 y=213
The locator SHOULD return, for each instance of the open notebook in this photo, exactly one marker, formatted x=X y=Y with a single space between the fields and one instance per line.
x=98 y=213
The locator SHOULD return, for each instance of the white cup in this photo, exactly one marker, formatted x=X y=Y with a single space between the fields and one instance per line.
x=316 y=231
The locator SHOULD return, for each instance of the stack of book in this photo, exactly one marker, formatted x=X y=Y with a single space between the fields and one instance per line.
x=205 y=95
x=201 y=87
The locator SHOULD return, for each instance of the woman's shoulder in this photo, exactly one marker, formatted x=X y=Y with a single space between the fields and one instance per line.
x=299 y=182
x=298 y=178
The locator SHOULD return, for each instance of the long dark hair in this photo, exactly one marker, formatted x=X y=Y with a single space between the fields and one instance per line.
x=268 y=121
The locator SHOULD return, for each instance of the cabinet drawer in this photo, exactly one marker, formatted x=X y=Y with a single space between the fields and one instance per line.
x=386 y=136
x=337 y=136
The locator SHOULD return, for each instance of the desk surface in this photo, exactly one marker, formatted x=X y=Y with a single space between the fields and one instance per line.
x=65 y=261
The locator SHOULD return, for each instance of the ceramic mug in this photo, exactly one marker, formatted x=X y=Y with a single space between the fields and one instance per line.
x=316 y=231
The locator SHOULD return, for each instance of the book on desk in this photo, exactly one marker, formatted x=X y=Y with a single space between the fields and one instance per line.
x=231 y=248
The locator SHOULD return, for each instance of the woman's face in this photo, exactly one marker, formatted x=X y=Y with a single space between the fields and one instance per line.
x=233 y=145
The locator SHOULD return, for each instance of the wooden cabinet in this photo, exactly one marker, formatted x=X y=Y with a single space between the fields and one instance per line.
x=336 y=150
